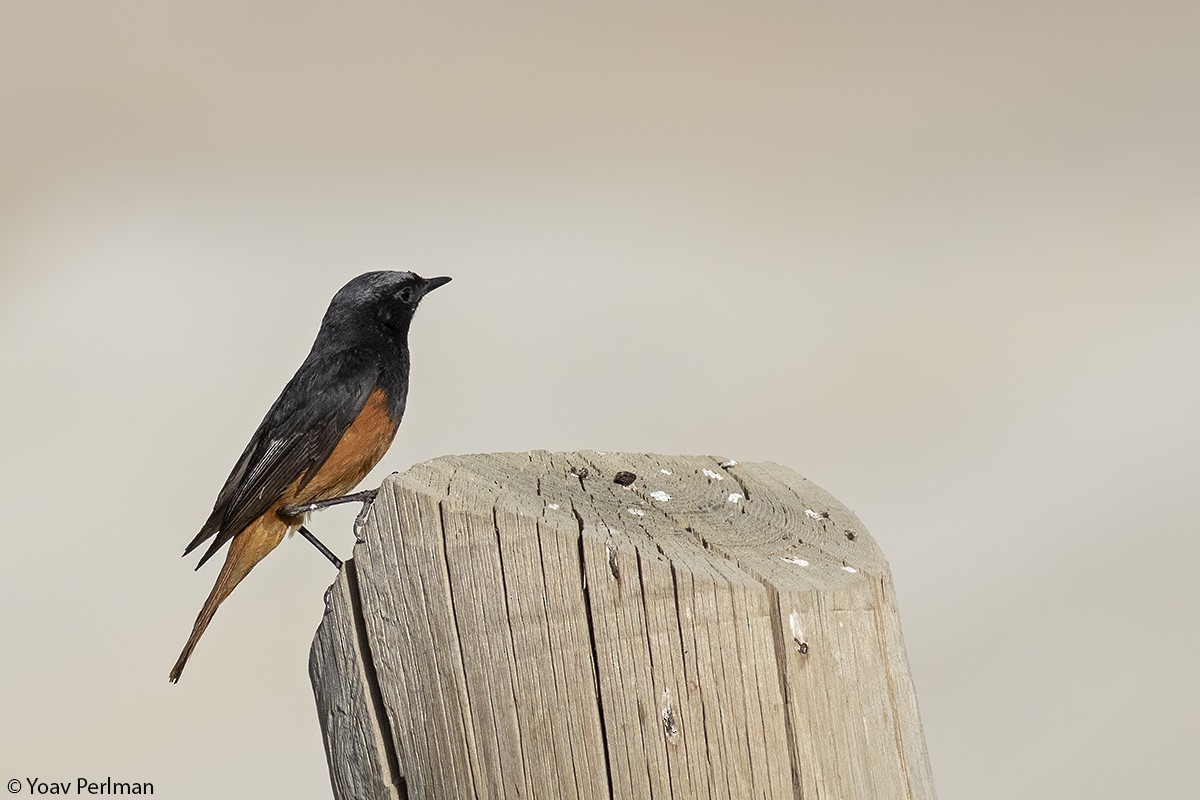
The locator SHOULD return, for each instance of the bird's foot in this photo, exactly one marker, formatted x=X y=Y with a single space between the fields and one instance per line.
x=361 y=519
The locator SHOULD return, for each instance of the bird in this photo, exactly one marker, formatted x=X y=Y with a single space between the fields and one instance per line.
x=331 y=424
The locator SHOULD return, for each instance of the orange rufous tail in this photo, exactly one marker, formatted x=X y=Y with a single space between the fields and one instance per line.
x=247 y=549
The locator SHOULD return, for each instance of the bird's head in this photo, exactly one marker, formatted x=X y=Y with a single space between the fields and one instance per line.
x=379 y=302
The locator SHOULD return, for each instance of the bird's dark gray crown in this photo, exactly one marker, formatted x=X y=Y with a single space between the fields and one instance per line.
x=373 y=287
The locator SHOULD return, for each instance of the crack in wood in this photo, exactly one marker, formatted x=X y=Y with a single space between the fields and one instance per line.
x=378 y=708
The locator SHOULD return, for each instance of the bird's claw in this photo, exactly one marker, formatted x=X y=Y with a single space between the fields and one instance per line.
x=361 y=520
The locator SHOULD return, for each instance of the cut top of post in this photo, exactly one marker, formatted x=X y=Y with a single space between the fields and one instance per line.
x=765 y=520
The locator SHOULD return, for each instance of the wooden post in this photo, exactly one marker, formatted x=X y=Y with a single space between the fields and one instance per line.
x=524 y=625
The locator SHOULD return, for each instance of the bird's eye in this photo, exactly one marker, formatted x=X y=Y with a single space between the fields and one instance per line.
x=405 y=295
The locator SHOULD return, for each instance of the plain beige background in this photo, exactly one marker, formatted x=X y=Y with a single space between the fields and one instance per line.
x=939 y=258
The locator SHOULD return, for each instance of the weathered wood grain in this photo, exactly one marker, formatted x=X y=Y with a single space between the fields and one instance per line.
x=519 y=625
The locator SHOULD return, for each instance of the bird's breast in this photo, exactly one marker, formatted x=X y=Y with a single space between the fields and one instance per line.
x=360 y=448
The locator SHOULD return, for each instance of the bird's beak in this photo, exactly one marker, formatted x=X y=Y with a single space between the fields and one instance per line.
x=432 y=283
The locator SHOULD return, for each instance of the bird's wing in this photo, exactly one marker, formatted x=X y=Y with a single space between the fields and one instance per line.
x=298 y=434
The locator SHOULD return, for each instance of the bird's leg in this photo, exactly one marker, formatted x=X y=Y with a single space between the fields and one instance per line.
x=365 y=497
x=358 y=497
x=317 y=543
